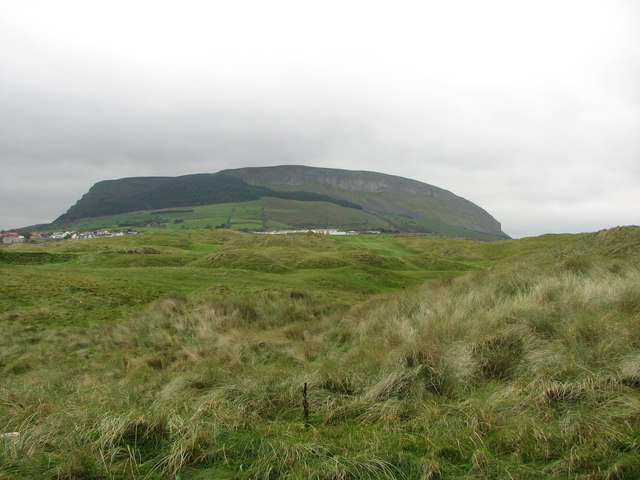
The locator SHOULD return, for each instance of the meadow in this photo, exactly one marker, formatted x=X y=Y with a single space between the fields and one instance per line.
x=184 y=355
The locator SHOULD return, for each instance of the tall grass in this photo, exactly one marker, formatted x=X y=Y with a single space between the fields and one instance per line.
x=517 y=371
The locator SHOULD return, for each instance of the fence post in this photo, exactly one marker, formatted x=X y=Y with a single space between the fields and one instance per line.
x=305 y=406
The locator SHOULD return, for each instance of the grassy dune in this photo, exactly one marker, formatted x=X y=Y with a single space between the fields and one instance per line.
x=521 y=362
x=75 y=282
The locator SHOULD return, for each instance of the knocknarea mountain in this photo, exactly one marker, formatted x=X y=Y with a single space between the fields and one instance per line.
x=281 y=197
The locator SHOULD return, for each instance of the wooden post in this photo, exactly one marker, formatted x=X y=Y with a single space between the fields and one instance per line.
x=305 y=406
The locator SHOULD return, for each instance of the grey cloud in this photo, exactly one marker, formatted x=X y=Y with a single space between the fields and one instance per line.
x=541 y=156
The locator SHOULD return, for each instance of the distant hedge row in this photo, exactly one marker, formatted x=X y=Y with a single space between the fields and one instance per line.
x=34 y=258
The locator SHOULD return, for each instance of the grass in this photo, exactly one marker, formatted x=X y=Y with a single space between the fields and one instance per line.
x=264 y=214
x=102 y=279
x=524 y=363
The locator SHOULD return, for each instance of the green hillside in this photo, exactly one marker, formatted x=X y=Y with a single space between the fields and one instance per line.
x=267 y=213
x=185 y=354
x=287 y=196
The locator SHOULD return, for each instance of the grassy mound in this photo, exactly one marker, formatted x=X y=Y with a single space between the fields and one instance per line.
x=271 y=262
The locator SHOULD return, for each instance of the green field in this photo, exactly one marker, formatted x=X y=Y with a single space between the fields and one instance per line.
x=183 y=355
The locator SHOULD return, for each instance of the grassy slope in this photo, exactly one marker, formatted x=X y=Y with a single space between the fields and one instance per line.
x=527 y=367
x=266 y=214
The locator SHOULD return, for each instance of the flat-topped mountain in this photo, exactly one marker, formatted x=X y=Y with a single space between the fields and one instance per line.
x=298 y=197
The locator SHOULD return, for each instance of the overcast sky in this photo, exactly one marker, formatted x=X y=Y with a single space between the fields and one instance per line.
x=528 y=108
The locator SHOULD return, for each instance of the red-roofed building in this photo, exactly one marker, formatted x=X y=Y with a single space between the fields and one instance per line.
x=11 y=238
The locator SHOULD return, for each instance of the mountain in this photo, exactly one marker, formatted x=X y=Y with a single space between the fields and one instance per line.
x=348 y=199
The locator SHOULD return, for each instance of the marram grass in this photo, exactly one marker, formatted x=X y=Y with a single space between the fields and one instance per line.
x=518 y=371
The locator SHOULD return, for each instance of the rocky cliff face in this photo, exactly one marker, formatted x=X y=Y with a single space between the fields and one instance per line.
x=348 y=180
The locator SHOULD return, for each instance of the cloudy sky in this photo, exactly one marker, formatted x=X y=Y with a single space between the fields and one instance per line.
x=529 y=108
